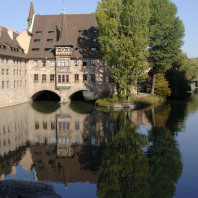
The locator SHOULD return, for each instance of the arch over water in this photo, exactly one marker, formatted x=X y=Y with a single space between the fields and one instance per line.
x=46 y=95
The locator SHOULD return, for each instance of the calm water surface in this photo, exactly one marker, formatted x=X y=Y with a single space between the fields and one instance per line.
x=84 y=152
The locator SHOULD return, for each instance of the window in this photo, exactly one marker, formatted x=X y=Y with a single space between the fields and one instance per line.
x=48 y=49
x=95 y=31
x=51 y=32
x=63 y=125
x=2 y=85
x=76 y=78
x=37 y=40
x=77 y=140
x=76 y=62
x=2 y=71
x=63 y=62
x=81 y=40
x=35 y=77
x=63 y=78
x=68 y=125
x=84 y=77
x=59 y=62
x=45 y=125
x=77 y=125
x=49 y=40
x=94 y=40
x=67 y=62
x=80 y=49
x=59 y=78
x=14 y=72
x=43 y=77
x=36 y=63
x=85 y=126
x=51 y=77
x=84 y=62
x=38 y=32
x=7 y=71
x=66 y=50
x=43 y=63
x=93 y=49
x=14 y=84
x=53 y=125
x=52 y=62
x=93 y=78
x=59 y=49
x=36 y=125
x=34 y=50
x=60 y=125
x=67 y=78
x=93 y=62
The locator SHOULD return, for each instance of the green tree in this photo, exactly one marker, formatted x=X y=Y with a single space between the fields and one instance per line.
x=123 y=39
x=166 y=34
x=178 y=76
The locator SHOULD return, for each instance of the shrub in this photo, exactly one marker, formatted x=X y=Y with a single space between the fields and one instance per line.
x=162 y=86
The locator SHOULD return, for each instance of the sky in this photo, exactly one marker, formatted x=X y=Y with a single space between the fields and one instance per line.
x=14 y=13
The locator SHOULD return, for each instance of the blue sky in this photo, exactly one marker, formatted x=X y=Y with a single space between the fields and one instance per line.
x=14 y=13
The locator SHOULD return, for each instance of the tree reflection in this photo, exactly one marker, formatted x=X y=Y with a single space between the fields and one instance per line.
x=124 y=171
x=165 y=164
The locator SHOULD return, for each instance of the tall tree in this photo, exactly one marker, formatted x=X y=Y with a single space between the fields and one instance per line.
x=166 y=34
x=123 y=39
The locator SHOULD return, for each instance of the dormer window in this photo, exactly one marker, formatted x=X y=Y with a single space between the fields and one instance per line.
x=81 y=40
x=38 y=32
x=37 y=40
x=80 y=49
x=49 y=40
x=48 y=49
x=51 y=32
x=35 y=49
x=95 y=31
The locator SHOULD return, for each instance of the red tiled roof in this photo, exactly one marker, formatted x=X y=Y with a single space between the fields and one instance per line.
x=10 y=47
x=66 y=32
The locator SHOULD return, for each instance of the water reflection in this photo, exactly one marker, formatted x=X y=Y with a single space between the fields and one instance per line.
x=75 y=143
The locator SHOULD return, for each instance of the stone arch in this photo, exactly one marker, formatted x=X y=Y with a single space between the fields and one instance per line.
x=82 y=94
x=46 y=95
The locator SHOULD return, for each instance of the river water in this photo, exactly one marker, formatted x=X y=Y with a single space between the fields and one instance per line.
x=80 y=151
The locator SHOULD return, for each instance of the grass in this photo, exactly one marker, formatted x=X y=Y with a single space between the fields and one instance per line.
x=135 y=99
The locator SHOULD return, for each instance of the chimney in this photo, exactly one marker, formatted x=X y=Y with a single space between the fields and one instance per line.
x=0 y=31
x=10 y=32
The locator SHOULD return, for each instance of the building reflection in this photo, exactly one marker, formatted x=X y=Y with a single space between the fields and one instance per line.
x=62 y=145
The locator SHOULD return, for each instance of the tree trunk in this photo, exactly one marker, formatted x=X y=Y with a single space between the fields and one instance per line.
x=153 y=82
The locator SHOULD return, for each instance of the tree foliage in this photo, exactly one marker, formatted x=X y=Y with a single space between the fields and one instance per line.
x=123 y=38
x=166 y=34
x=162 y=86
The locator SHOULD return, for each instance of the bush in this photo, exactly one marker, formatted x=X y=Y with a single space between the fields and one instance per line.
x=162 y=86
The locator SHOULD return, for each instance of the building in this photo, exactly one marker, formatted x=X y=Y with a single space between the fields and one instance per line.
x=57 y=53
